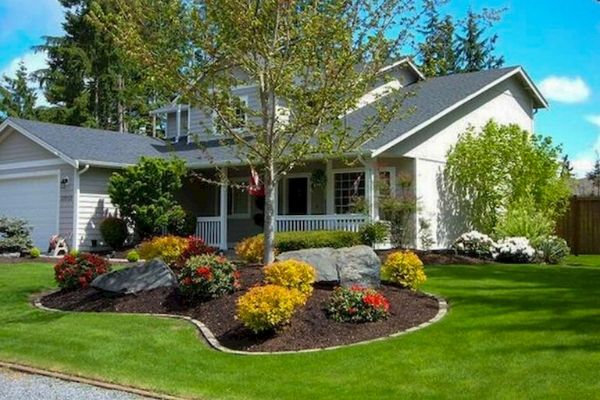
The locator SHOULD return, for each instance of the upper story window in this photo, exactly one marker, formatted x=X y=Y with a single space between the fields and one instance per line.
x=241 y=117
x=349 y=188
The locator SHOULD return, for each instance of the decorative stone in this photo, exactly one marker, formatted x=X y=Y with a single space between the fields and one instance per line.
x=358 y=265
x=151 y=275
x=323 y=259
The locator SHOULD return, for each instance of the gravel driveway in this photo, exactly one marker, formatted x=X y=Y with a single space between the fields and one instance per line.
x=17 y=386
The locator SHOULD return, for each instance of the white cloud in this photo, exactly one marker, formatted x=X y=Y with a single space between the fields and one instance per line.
x=33 y=62
x=594 y=119
x=584 y=161
x=565 y=89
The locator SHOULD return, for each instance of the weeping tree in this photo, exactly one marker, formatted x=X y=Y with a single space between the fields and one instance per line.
x=311 y=61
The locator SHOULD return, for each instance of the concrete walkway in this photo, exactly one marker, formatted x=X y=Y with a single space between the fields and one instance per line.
x=18 y=386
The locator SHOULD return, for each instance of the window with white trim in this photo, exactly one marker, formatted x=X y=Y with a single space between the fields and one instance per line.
x=386 y=186
x=240 y=104
x=349 y=187
x=238 y=199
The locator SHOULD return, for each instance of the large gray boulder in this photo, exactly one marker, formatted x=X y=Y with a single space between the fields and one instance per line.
x=151 y=275
x=324 y=260
x=358 y=265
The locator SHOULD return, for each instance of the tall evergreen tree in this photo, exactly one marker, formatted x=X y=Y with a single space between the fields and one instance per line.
x=91 y=83
x=475 y=49
x=594 y=175
x=17 y=97
x=437 y=52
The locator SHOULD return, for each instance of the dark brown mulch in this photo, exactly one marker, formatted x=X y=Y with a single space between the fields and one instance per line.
x=439 y=257
x=310 y=328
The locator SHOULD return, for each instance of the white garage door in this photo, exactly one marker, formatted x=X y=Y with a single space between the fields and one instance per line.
x=34 y=199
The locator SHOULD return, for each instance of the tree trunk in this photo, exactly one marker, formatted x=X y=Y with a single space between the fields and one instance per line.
x=269 y=227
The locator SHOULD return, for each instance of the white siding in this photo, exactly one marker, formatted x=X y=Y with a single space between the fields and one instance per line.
x=94 y=207
x=507 y=103
x=16 y=148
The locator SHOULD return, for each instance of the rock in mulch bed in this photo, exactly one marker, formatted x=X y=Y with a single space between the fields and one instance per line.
x=309 y=329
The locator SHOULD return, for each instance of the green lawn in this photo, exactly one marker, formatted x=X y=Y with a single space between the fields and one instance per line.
x=584 y=260
x=512 y=332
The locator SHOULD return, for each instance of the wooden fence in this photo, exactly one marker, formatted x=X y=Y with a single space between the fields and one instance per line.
x=580 y=226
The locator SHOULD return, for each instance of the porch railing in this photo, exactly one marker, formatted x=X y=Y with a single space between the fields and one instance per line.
x=209 y=229
x=335 y=222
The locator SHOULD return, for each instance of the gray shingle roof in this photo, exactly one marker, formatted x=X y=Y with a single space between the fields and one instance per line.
x=427 y=99
x=96 y=145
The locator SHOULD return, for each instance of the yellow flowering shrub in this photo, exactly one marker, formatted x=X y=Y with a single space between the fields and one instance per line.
x=167 y=248
x=251 y=249
x=404 y=268
x=265 y=308
x=291 y=274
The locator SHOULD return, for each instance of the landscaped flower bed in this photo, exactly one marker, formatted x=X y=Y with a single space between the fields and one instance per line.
x=310 y=326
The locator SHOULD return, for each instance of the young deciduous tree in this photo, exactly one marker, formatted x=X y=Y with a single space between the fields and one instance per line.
x=502 y=165
x=17 y=97
x=311 y=62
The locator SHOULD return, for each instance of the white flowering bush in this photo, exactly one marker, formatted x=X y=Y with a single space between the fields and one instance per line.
x=475 y=244
x=552 y=249
x=515 y=250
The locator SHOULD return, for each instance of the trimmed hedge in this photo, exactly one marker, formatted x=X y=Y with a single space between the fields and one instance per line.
x=290 y=241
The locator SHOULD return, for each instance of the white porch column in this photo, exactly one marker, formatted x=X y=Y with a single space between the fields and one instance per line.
x=178 y=122
x=329 y=189
x=223 y=209
x=370 y=189
x=153 y=125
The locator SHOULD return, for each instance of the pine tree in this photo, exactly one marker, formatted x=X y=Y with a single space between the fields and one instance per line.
x=17 y=97
x=594 y=175
x=88 y=81
x=476 y=50
x=437 y=52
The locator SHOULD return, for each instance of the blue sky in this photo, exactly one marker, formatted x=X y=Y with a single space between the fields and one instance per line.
x=557 y=42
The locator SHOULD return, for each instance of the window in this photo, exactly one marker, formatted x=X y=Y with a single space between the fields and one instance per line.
x=238 y=200
x=386 y=185
x=240 y=104
x=349 y=188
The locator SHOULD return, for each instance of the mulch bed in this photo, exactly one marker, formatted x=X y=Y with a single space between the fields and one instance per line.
x=310 y=328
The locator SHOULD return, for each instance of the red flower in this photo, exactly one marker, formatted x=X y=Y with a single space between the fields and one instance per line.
x=376 y=300
x=83 y=282
x=204 y=272
x=352 y=310
x=357 y=288
x=187 y=281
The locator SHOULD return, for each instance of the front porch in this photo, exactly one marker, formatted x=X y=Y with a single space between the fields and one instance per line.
x=318 y=196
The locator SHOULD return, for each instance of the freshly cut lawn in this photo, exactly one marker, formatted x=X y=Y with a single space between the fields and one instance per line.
x=584 y=260
x=513 y=332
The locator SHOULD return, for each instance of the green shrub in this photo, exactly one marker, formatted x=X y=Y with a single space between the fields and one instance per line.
x=374 y=232
x=523 y=220
x=133 y=256
x=181 y=223
x=77 y=272
x=35 y=252
x=552 y=249
x=114 y=232
x=289 y=241
x=145 y=194
x=14 y=235
x=357 y=304
x=207 y=277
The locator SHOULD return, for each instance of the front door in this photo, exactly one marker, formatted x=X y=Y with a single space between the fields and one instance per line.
x=297 y=196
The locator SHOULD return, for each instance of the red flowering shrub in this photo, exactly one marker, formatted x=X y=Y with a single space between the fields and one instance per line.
x=207 y=276
x=195 y=247
x=78 y=271
x=357 y=304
